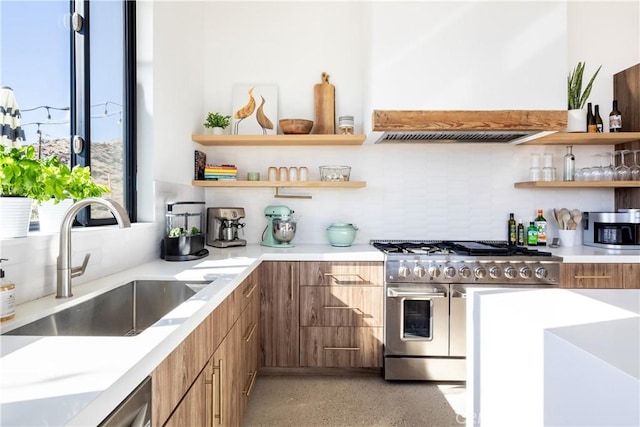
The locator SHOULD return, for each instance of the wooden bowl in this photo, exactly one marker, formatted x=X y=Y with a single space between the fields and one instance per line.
x=295 y=126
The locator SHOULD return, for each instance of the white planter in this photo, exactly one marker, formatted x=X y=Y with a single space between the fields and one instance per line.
x=50 y=215
x=218 y=131
x=15 y=213
x=577 y=120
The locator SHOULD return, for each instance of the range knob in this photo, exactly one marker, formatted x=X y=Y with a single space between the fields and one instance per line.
x=419 y=271
x=510 y=272
x=525 y=272
x=434 y=271
x=449 y=272
x=404 y=271
x=480 y=272
x=495 y=272
x=541 y=273
x=465 y=272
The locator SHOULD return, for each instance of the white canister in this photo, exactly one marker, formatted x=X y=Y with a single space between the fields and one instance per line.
x=293 y=173
x=304 y=174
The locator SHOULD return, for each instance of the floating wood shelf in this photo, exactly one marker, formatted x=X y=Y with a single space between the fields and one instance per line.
x=577 y=184
x=277 y=140
x=584 y=138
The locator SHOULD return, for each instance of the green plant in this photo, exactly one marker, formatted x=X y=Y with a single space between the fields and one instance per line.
x=577 y=98
x=216 y=120
x=20 y=171
x=80 y=185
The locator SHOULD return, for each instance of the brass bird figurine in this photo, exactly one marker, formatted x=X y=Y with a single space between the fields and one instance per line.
x=245 y=111
x=262 y=119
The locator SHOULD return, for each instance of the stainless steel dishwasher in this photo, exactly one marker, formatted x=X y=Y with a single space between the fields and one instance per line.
x=134 y=411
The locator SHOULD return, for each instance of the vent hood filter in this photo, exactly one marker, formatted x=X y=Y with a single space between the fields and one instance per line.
x=504 y=126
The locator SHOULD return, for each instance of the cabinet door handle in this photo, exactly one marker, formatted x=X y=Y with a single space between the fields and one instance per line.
x=338 y=307
x=249 y=334
x=592 y=277
x=250 y=291
x=219 y=368
x=336 y=279
x=291 y=282
x=343 y=348
x=212 y=383
x=252 y=381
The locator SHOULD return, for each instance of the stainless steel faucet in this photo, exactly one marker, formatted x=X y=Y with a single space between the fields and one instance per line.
x=65 y=271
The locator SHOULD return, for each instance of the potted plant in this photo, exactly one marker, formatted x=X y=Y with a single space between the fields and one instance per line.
x=20 y=182
x=577 y=117
x=60 y=188
x=217 y=122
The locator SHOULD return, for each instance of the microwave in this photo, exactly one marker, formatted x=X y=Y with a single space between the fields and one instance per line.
x=612 y=230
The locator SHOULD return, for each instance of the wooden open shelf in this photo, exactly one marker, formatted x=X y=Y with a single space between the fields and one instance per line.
x=577 y=184
x=281 y=184
x=584 y=138
x=277 y=140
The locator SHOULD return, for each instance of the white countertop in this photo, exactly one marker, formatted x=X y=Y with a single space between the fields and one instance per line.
x=578 y=364
x=80 y=380
x=591 y=254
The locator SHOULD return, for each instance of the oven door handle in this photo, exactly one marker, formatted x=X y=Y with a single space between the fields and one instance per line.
x=422 y=294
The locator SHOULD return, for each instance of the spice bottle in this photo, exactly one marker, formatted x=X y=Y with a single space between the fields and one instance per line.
x=7 y=296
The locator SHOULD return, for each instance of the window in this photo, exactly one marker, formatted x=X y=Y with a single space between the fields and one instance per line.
x=71 y=65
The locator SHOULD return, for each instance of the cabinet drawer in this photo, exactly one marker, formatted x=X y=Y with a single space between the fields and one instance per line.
x=591 y=276
x=341 y=306
x=341 y=347
x=341 y=274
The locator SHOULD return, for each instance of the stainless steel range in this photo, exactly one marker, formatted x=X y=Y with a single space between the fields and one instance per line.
x=426 y=284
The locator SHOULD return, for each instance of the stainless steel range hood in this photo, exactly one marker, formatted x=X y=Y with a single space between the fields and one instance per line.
x=499 y=126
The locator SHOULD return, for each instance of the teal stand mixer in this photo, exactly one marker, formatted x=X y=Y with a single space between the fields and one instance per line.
x=281 y=227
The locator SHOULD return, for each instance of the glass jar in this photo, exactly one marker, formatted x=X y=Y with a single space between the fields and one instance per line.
x=272 y=173
x=304 y=174
x=283 y=174
x=293 y=173
x=345 y=125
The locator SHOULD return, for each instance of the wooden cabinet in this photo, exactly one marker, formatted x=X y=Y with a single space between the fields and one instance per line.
x=341 y=314
x=591 y=275
x=630 y=276
x=200 y=382
x=279 y=317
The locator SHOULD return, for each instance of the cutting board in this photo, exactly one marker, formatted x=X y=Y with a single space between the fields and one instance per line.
x=324 y=104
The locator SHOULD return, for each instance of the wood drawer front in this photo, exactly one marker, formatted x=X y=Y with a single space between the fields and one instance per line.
x=341 y=306
x=591 y=276
x=630 y=276
x=341 y=347
x=341 y=273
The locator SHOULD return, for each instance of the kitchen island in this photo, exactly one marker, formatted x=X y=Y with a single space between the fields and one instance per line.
x=554 y=357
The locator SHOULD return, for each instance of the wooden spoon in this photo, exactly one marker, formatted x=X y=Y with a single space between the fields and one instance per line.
x=577 y=219
x=571 y=225
x=565 y=220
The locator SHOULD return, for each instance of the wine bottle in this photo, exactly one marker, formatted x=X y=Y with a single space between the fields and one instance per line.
x=532 y=235
x=599 y=125
x=521 y=235
x=541 y=225
x=569 y=165
x=512 y=230
x=615 y=118
x=591 y=119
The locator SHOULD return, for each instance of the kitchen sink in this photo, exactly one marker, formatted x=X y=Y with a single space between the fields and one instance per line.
x=124 y=311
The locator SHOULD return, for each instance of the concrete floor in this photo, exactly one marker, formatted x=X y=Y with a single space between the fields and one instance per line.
x=303 y=401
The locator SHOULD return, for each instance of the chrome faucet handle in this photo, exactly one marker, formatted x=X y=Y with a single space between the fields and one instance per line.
x=79 y=270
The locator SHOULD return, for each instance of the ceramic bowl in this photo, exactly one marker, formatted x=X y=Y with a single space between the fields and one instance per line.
x=295 y=126
x=341 y=234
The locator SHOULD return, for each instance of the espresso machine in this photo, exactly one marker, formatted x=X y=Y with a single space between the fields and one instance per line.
x=223 y=225
x=281 y=227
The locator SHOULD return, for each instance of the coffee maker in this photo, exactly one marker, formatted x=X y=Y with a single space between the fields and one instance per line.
x=281 y=227
x=223 y=225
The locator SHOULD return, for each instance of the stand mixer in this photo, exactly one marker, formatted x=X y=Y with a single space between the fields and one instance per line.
x=223 y=225
x=281 y=227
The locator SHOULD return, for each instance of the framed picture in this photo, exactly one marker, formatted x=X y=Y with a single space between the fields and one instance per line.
x=255 y=109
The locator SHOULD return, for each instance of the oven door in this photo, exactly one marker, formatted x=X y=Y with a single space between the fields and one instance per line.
x=417 y=320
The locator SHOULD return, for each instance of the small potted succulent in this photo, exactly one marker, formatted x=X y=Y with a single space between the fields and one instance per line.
x=217 y=122
x=577 y=117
